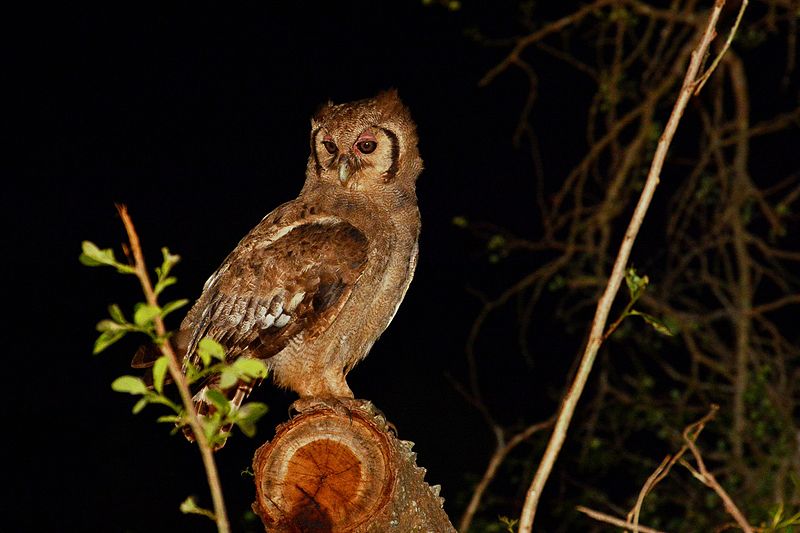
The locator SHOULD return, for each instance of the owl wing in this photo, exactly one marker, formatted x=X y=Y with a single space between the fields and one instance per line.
x=286 y=286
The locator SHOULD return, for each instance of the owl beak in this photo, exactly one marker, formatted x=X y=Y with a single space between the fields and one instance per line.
x=344 y=170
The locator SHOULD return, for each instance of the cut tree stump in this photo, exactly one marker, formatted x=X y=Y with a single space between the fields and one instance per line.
x=330 y=471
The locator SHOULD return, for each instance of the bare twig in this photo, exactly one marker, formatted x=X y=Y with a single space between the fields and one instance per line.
x=501 y=452
x=220 y=515
x=702 y=80
x=553 y=27
x=604 y=305
x=666 y=465
x=614 y=521
x=649 y=484
x=708 y=479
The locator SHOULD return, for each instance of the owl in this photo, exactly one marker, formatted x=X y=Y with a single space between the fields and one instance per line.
x=316 y=282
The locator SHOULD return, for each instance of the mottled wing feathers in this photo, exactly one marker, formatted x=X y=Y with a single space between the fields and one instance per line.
x=288 y=287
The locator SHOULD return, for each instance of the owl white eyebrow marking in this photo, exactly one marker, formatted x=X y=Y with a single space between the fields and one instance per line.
x=317 y=164
x=394 y=154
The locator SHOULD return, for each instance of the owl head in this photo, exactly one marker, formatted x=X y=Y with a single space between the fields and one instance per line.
x=367 y=145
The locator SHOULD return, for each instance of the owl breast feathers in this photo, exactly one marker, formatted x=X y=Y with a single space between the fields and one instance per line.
x=315 y=283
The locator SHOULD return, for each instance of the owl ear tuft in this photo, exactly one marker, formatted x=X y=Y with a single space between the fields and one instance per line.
x=389 y=103
x=388 y=95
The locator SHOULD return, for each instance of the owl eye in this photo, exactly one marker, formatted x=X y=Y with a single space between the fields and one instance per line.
x=366 y=147
x=330 y=147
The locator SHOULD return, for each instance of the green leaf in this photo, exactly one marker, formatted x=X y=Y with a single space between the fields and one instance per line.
x=218 y=436
x=247 y=415
x=252 y=368
x=140 y=405
x=116 y=314
x=169 y=261
x=191 y=372
x=160 y=372
x=219 y=400
x=189 y=506
x=212 y=424
x=145 y=313
x=247 y=427
x=109 y=325
x=208 y=348
x=164 y=279
x=93 y=256
x=106 y=339
x=228 y=378
x=655 y=323
x=174 y=419
x=172 y=306
x=129 y=384
x=164 y=283
x=636 y=284
x=252 y=411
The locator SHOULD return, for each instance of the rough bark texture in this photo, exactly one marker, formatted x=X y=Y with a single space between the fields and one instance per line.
x=331 y=471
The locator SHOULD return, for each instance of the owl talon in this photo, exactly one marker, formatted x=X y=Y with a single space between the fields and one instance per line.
x=343 y=407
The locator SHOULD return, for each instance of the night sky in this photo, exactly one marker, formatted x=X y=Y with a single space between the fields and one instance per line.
x=197 y=118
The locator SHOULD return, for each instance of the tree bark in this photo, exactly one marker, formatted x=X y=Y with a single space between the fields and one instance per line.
x=332 y=471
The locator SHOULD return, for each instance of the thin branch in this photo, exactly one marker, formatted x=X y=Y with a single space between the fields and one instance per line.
x=648 y=486
x=702 y=81
x=708 y=479
x=666 y=465
x=614 y=521
x=220 y=515
x=501 y=452
x=604 y=305
x=775 y=304
x=553 y=27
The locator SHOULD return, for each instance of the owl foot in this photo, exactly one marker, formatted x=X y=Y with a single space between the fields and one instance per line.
x=342 y=406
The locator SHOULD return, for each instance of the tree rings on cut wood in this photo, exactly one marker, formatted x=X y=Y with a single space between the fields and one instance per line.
x=324 y=471
x=343 y=470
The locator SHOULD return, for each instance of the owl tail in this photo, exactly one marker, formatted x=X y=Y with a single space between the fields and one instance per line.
x=207 y=403
x=204 y=405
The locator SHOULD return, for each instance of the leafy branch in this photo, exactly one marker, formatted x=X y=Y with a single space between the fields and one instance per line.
x=636 y=286
x=148 y=318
